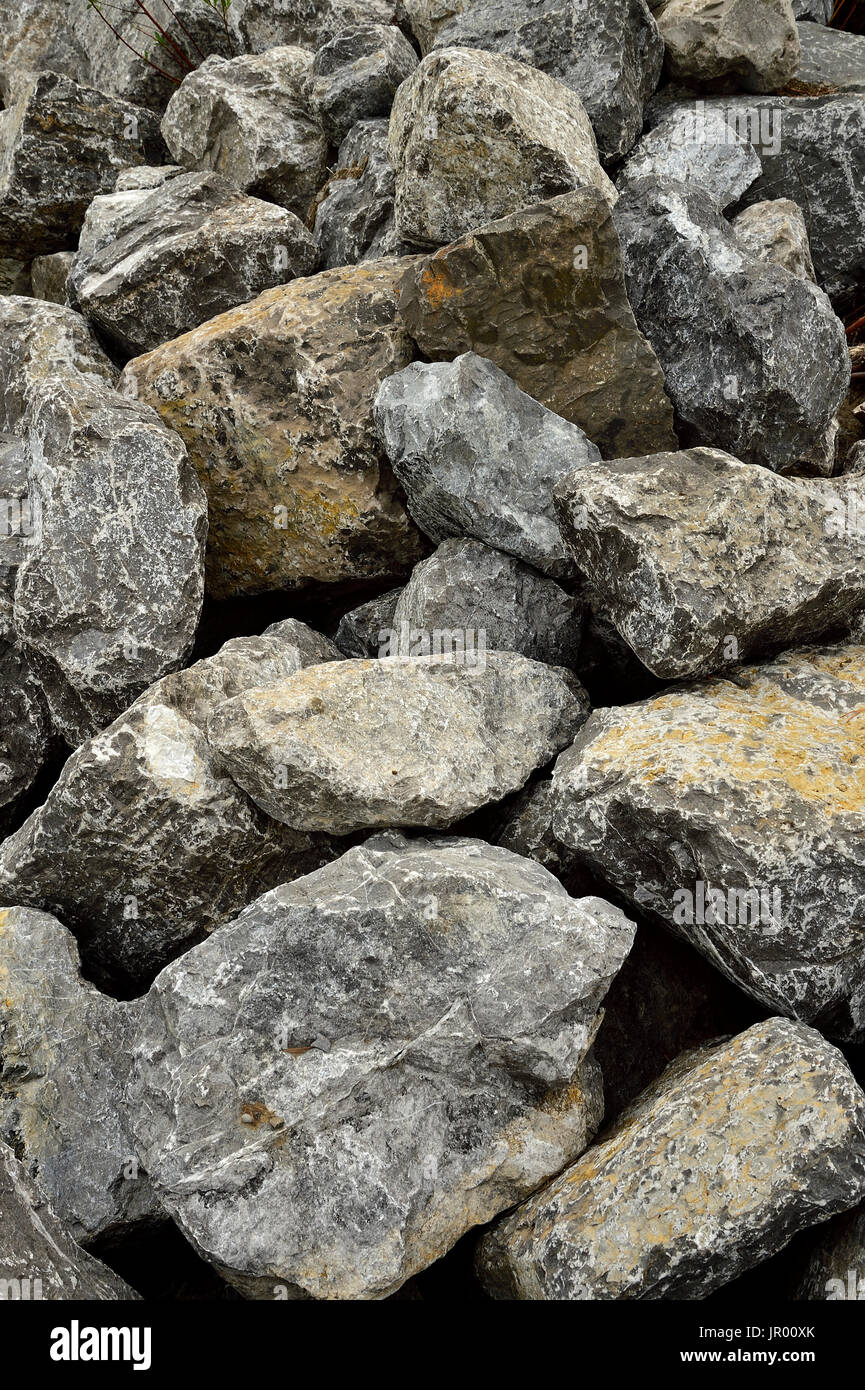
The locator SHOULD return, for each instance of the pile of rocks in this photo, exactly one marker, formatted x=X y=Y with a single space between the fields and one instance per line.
x=432 y=792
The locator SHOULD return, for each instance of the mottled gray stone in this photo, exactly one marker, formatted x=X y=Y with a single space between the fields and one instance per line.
x=35 y=1246
x=404 y=741
x=609 y=52
x=702 y=561
x=26 y=735
x=356 y=73
x=354 y=217
x=713 y=1169
x=267 y=23
x=542 y=295
x=474 y=136
x=358 y=633
x=754 y=44
x=62 y=1092
x=155 y=263
x=526 y=828
x=478 y=457
x=832 y=57
x=775 y=232
x=144 y=843
x=396 y=1051
x=740 y=341
x=103 y=566
x=734 y=810
x=250 y=119
x=695 y=147
x=35 y=36
x=490 y=601
x=60 y=145
x=835 y=1271
x=49 y=275
x=818 y=10
x=15 y=277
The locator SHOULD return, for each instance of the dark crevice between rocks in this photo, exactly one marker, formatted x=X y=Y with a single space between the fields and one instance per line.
x=160 y=1264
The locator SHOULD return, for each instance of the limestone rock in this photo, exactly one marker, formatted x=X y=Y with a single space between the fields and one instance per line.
x=49 y=275
x=478 y=457
x=356 y=73
x=354 y=218
x=154 y=263
x=250 y=119
x=102 y=561
x=752 y=43
x=26 y=733
x=35 y=36
x=702 y=561
x=775 y=1114
x=733 y=811
x=396 y=1051
x=831 y=57
x=267 y=23
x=60 y=145
x=698 y=148
x=37 y=1248
x=274 y=402
x=836 y=1267
x=474 y=136
x=775 y=232
x=740 y=341
x=359 y=631
x=820 y=11
x=405 y=741
x=144 y=844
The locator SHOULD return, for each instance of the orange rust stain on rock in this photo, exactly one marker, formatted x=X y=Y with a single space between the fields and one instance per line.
x=437 y=285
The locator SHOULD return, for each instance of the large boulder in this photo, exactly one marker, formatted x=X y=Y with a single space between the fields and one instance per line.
x=475 y=135
x=710 y=1171
x=740 y=341
x=699 y=148
x=751 y=44
x=35 y=36
x=274 y=402
x=831 y=57
x=775 y=232
x=154 y=263
x=354 y=211
x=541 y=293
x=267 y=23
x=734 y=812
x=397 y=1050
x=355 y=76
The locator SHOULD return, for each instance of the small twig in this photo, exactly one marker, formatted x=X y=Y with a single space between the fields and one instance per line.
x=180 y=57
x=182 y=26
x=143 y=56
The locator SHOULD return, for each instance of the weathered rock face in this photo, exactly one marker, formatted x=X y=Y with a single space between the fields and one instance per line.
x=609 y=53
x=695 y=147
x=36 y=1246
x=478 y=457
x=60 y=145
x=836 y=1268
x=733 y=812
x=103 y=554
x=356 y=73
x=831 y=57
x=550 y=276
x=377 y=1083
x=642 y=1215
x=475 y=135
x=154 y=263
x=423 y=740
x=702 y=561
x=26 y=733
x=274 y=401
x=754 y=43
x=62 y=1101
x=359 y=631
x=354 y=219
x=144 y=843
x=775 y=232
x=49 y=275
x=816 y=144
x=266 y=23
x=485 y=599
x=818 y=10
x=36 y=37
x=250 y=119
x=740 y=341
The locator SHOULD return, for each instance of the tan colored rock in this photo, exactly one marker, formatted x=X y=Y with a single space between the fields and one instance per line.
x=753 y=42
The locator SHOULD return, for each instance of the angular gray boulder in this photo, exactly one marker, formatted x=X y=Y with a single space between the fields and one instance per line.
x=420 y=740
x=752 y=44
x=354 y=213
x=265 y=24
x=359 y=632
x=831 y=57
x=27 y=738
x=479 y=458
x=775 y=232
x=696 y=147
x=356 y=73
x=397 y=1050
x=712 y=1170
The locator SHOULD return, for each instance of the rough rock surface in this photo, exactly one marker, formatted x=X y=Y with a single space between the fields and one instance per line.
x=35 y=1246
x=274 y=401
x=266 y=23
x=377 y=1083
x=832 y=57
x=62 y=1097
x=359 y=631
x=102 y=560
x=407 y=741
x=60 y=145
x=775 y=232
x=836 y=1267
x=488 y=600
x=740 y=341
x=354 y=217
x=144 y=843
x=609 y=53
x=775 y=1111
x=552 y=277
x=699 y=148
x=754 y=43
x=154 y=263
x=702 y=561
x=250 y=119
x=36 y=37
x=478 y=457
x=26 y=733
x=49 y=275
x=474 y=136
x=733 y=811
x=356 y=73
